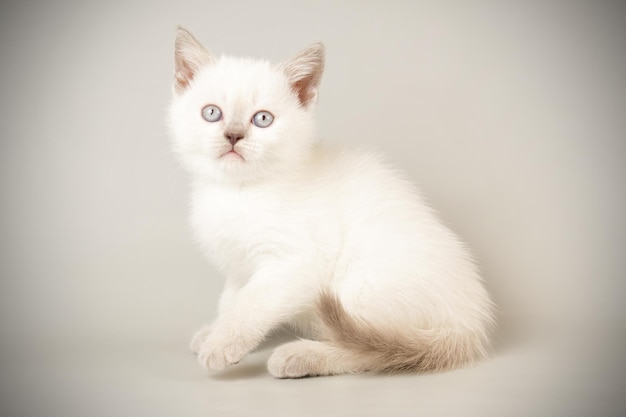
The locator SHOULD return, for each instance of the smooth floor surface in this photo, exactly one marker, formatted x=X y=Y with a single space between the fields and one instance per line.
x=559 y=374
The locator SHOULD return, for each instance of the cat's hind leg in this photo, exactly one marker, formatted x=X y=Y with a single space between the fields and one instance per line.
x=305 y=358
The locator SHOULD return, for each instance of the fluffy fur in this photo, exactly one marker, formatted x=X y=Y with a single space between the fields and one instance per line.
x=330 y=241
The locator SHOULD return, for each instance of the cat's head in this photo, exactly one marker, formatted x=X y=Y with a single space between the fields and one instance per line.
x=238 y=119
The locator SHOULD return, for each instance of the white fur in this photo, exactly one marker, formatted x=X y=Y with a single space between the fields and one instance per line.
x=297 y=217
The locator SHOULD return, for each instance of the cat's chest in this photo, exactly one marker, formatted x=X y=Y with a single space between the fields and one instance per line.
x=241 y=222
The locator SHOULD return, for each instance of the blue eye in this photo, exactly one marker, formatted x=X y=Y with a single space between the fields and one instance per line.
x=262 y=119
x=211 y=113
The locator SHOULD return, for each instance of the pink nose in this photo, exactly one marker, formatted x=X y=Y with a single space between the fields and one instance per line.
x=233 y=136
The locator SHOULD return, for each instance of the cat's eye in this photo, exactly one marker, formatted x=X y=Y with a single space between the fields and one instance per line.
x=211 y=113
x=262 y=119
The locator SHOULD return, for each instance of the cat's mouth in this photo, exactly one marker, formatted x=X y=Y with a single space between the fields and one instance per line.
x=231 y=154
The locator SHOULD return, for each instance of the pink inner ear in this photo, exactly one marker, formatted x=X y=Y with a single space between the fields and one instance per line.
x=184 y=74
x=182 y=79
x=304 y=91
x=300 y=87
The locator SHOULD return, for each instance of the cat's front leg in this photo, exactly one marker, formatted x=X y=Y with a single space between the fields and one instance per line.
x=199 y=337
x=271 y=297
x=225 y=301
x=223 y=348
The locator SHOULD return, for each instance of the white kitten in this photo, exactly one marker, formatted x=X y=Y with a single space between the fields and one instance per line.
x=332 y=242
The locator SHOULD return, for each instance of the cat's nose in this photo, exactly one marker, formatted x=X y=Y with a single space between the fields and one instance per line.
x=234 y=136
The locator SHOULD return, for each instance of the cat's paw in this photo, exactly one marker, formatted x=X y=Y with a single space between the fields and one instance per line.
x=297 y=359
x=199 y=337
x=217 y=353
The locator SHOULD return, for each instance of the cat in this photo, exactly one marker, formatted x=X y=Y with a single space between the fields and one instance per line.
x=332 y=242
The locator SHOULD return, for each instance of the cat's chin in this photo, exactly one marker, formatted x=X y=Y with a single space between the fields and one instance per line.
x=232 y=167
x=232 y=164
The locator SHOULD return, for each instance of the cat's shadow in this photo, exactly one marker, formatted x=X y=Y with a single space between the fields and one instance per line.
x=242 y=371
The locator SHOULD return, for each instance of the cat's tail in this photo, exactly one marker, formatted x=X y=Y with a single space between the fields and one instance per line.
x=395 y=349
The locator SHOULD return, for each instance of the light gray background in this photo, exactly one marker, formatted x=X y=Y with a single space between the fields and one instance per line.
x=511 y=116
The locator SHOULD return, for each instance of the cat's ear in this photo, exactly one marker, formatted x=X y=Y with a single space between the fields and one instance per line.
x=304 y=72
x=189 y=57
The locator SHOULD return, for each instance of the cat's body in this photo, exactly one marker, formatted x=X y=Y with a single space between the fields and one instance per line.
x=333 y=242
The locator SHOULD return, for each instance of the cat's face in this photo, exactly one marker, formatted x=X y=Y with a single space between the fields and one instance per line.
x=242 y=120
